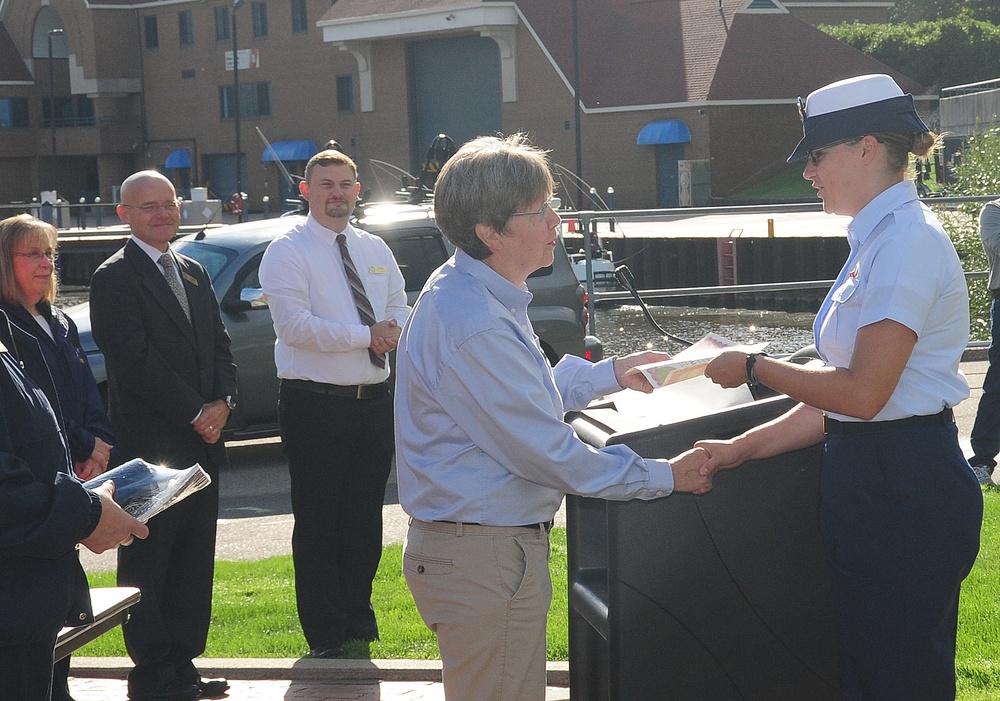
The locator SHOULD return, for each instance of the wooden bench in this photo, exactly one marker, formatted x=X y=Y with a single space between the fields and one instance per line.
x=111 y=605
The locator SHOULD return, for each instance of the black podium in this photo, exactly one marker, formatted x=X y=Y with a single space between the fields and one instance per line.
x=719 y=597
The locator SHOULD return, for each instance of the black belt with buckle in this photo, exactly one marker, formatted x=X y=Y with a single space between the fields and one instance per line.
x=352 y=391
x=832 y=427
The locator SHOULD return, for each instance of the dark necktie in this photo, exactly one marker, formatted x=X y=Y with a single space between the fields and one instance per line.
x=167 y=261
x=365 y=311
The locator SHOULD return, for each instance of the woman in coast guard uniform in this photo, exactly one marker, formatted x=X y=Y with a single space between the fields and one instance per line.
x=900 y=508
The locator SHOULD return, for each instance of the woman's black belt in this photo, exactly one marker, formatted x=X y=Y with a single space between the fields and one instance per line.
x=352 y=391
x=832 y=427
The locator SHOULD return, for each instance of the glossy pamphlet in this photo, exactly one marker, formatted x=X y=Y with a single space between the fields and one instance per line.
x=144 y=490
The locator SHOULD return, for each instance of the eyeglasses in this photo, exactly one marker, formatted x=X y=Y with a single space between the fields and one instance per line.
x=35 y=257
x=154 y=207
x=539 y=213
x=815 y=156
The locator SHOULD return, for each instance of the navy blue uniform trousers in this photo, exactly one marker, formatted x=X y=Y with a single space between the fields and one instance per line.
x=901 y=514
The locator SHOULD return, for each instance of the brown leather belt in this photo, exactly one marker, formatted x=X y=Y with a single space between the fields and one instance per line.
x=352 y=391
x=832 y=427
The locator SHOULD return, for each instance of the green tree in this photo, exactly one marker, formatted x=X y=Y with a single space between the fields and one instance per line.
x=909 y=11
x=976 y=173
x=944 y=52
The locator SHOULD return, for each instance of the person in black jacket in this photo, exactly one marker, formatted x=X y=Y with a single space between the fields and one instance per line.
x=171 y=386
x=48 y=345
x=44 y=512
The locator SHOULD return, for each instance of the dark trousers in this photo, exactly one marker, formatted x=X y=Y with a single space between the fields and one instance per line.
x=26 y=670
x=901 y=514
x=985 y=437
x=339 y=454
x=174 y=568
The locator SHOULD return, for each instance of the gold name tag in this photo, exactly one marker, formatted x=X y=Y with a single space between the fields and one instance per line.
x=377 y=269
x=190 y=279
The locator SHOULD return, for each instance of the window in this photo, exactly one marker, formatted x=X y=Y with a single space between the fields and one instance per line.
x=259 y=19
x=345 y=93
x=255 y=100
x=76 y=111
x=222 y=23
x=185 y=27
x=299 y=21
x=14 y=113
x=151 y=32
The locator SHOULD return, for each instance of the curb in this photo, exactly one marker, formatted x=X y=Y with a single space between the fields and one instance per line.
x=304 y=669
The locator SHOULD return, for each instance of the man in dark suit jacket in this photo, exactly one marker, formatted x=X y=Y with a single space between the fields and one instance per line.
x=171 y=386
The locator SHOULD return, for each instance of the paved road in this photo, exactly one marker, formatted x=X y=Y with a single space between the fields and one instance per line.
x=255 y=515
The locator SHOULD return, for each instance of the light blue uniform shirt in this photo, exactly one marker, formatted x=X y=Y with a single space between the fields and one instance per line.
x=480 y=435
x=903 y=267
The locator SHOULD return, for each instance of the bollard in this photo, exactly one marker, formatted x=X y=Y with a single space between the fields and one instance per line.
x=97 y=211
x=81 y=219
x=770 y=228
x=611 y=205
x=267 y=205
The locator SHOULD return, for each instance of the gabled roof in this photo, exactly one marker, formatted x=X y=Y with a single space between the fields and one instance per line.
x=799 y=58
x=12 y=67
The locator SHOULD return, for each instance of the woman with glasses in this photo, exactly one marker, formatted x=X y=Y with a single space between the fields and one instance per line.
x=48 y=346
x=900 y=508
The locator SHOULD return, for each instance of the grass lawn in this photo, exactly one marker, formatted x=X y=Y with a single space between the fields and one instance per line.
x=254 y=613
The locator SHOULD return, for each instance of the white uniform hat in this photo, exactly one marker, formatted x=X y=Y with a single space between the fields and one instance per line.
x=854 y=107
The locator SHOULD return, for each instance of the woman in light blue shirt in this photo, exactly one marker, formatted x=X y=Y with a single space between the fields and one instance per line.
x=483 y=454
x=900 y=509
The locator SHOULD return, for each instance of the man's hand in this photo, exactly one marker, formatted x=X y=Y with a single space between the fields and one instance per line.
x=637 y=380
x=688 y=475
x=211 y=420
x=385 y=336
x=116 y=527
x=96 y=464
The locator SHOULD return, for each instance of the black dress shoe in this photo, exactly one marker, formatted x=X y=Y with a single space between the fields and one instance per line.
x=170 y=691
x=213 y=688
x=327 y=653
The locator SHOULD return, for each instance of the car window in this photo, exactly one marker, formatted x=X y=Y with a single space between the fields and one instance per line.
x=213 y=258
x=418 y=256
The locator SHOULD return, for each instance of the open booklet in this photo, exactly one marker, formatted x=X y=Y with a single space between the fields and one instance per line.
x=691 y=361
x=144 y=490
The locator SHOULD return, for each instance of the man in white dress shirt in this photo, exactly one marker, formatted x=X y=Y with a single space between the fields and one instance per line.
x=338 y=302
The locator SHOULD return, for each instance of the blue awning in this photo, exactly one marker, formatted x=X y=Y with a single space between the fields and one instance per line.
x=301 y=150
x=665 y=131
x=180 y=158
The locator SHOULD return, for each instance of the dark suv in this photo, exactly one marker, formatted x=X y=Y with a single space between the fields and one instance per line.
x=232 y=254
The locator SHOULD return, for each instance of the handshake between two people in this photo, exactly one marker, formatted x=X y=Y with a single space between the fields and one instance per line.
x=693 y=469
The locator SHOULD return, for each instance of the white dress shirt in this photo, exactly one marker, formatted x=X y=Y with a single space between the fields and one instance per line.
x=319 y=334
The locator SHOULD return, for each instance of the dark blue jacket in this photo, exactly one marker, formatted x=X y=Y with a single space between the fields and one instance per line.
x=44 y=513
x=60 y=367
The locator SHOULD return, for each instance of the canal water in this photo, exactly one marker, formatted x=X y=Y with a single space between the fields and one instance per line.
x=624 y=329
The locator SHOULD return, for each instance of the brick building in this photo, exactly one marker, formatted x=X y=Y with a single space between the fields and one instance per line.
x=672 y=93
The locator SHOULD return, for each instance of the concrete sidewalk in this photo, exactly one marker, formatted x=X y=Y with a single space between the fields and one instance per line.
x=103 y=679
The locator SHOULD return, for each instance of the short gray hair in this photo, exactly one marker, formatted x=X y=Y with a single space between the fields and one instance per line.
x=485 y=182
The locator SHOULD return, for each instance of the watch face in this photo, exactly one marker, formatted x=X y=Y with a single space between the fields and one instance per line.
x=230 y=403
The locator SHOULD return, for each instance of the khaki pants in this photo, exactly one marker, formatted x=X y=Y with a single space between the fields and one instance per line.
x=485 y=591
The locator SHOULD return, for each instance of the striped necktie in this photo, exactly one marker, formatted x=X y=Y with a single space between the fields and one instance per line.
x=365 y=311
x=167 y=261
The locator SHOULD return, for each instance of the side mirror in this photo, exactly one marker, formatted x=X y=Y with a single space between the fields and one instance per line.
x=250 y=298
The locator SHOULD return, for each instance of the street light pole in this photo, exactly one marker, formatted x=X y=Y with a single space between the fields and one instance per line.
x=52 y=109
x=237 y=4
